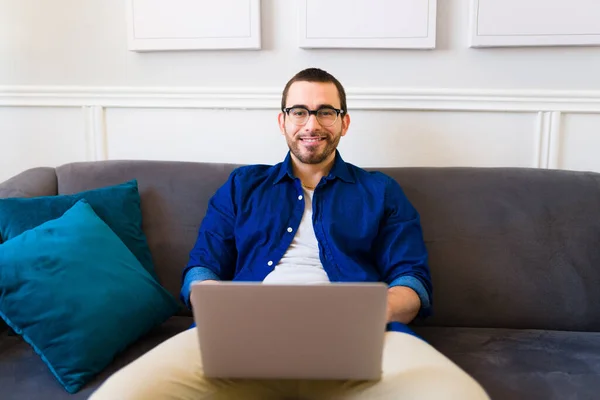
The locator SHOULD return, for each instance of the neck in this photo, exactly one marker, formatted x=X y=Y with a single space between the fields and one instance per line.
x=311 y=174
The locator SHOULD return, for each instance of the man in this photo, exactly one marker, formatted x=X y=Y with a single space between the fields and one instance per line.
x=311 y=219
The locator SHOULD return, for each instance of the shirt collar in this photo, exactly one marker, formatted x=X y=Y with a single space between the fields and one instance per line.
x=339 y=170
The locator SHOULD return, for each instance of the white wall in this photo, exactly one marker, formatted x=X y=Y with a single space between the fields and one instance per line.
x=70 y=90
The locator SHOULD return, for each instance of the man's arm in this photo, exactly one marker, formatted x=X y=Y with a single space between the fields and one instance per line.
x=214 y=255
x=402 y=258
x=403 y=304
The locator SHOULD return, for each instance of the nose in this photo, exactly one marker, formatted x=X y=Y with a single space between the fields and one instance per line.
x=312 y=123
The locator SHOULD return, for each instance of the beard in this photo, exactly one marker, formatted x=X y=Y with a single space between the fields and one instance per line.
x=313 y=154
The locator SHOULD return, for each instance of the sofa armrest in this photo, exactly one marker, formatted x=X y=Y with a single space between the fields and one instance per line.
x=34 y=182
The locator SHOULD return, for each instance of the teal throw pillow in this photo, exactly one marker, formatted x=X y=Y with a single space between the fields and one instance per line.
x=77 y=295
x=118 y=206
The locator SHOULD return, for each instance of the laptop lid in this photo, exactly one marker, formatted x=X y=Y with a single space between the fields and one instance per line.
x=287 y=331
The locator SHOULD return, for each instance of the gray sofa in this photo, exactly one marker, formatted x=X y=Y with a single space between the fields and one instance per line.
x=514 y=256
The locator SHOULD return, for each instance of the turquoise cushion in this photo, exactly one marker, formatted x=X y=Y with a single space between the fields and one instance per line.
x=118 y=206
x=77 y=295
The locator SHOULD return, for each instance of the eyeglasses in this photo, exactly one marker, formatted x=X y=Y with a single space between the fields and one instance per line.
x=325 y=115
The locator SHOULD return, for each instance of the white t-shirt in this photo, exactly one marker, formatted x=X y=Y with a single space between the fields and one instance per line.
x=301 y=263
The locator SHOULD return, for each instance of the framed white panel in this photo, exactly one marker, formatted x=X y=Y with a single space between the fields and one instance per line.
x=391 y=24
x=579 y=142
x=40 y=137
x=506 y=23
x=155 y=25
x=441 y=139
x=206 y=135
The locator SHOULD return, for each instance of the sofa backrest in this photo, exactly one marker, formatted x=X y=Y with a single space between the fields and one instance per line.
x=509 y=247
x=514 y=248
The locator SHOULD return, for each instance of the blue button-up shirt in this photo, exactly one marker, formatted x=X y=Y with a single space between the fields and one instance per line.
x=366 y=228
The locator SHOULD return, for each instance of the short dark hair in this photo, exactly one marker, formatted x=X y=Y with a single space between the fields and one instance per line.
x=316 y=75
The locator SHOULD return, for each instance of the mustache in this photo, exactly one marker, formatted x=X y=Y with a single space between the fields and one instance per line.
x=311 y=135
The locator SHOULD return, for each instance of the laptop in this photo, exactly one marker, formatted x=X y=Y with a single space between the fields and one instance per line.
x=291 y=331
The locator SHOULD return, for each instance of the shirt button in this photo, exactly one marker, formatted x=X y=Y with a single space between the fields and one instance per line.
x=300 y=197
x=290 y=230
x=270 y=263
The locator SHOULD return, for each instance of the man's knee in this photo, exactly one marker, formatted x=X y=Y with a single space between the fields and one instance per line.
x=434 y=383
x=172 y=370
x=116 y=387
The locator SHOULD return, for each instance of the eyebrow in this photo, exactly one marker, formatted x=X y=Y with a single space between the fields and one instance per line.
x=318 y=107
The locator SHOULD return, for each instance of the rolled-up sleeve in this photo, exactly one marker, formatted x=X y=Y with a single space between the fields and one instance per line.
x=416 y=285
x=214 y=253
x=400 y=249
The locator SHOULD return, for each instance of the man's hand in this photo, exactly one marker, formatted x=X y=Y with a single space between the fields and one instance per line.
x=403 y=304
x=205 y=282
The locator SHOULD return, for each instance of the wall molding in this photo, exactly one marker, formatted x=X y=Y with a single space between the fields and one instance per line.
x=95 y=133
x=542 y=140
x=548 y=140
x=554 y=147
x=269 y=98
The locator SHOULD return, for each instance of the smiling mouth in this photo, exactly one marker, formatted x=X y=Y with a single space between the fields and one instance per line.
x=310 y=140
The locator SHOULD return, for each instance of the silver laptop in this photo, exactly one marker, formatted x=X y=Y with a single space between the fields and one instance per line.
x=288 y=331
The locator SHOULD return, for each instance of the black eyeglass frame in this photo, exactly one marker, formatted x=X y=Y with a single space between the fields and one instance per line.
x=315 y=113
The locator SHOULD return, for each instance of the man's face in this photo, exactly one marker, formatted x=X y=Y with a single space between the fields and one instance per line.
x=313 y=143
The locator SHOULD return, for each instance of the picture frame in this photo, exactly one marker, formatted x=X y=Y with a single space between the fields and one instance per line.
x=156 y=25
x=367 y=24
x=516 y=23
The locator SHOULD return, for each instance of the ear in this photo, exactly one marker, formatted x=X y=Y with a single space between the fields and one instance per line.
x=281 y=122
x=345 y=124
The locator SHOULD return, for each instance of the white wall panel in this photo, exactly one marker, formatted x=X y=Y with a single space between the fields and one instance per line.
x=429 y=138
x=579 y=142
x=37 y=136
x=235 y=136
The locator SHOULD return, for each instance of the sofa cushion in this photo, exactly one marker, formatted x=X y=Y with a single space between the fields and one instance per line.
x=524 y=364
x=24 y=376
x=490 y=355
x=118 y=206
x=77 y=295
